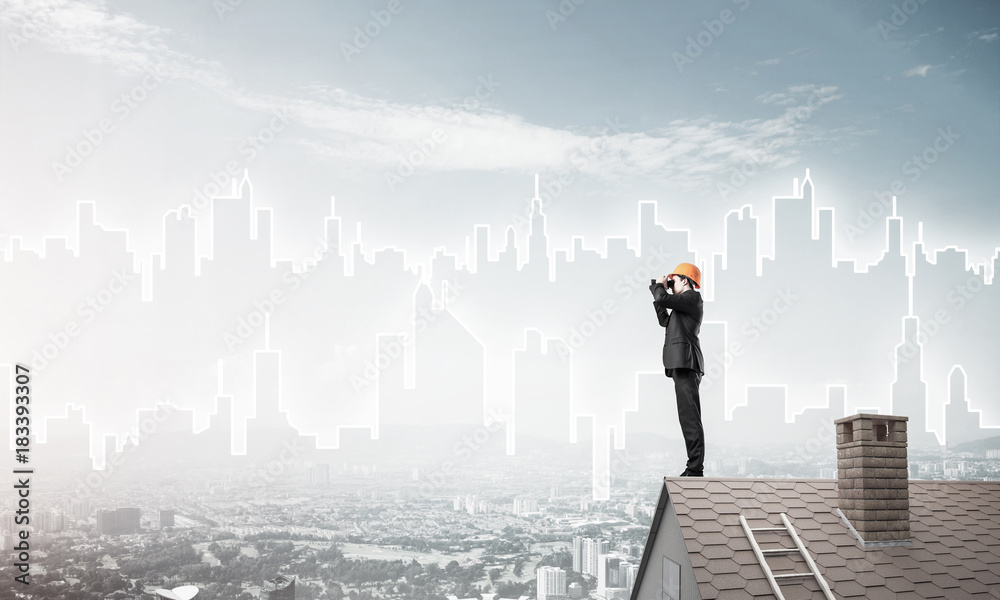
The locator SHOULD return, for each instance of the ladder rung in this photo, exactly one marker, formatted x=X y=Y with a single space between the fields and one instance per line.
x=799 y=547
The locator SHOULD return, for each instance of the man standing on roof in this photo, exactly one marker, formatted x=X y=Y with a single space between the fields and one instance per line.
x=680 y=312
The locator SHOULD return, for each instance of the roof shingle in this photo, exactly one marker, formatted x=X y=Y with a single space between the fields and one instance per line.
x=954 y=548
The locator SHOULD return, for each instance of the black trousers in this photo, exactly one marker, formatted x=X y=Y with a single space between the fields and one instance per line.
x=686 y=382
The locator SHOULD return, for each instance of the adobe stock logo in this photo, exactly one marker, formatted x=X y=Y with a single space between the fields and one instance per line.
x=250 y=147
x=88 y=309
x=32 y=27
x=247 y=325
x=914 y=167
x=697 y=44
x=752 y=330
x=566 y=9
x=900 y=15
x=958 y=297
x=426 y=148
x=394 y=349
x=625 y=287
x=579 y=159
x=363 y=35
x=462 y=452
x=93 y=482
x=224 y=7
x=93 y=138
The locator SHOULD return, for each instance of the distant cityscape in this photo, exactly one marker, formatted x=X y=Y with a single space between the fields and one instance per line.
x=390 y=449
x=367 y=526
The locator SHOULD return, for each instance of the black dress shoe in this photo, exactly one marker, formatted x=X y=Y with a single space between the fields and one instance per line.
x=687 y=473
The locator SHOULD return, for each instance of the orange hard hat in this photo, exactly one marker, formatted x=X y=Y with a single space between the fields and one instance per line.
x=690 y=271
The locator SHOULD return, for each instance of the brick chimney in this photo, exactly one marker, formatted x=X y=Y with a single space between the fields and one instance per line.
x=872 y=485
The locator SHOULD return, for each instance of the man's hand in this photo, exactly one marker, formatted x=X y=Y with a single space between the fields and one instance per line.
x=663 y=280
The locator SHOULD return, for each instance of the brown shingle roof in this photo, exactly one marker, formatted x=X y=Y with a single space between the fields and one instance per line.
x=954 y=550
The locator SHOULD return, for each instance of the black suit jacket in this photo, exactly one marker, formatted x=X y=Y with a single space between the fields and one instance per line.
x=681 y=315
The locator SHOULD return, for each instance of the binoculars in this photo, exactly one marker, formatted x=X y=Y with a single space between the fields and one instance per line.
x=670 y=283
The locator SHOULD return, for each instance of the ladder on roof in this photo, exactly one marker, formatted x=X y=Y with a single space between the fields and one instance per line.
x=799 y=547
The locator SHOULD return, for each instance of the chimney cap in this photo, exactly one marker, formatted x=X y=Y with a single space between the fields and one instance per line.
x=871 y=416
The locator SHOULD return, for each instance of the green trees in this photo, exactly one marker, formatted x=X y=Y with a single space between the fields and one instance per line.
x=511 y=589
x=518 y=566
x=561 y=559
x=504 y=547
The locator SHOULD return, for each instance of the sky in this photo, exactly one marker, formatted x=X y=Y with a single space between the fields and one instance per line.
x=416 y=122
x=425 y=119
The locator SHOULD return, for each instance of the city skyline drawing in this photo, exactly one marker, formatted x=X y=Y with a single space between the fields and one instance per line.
x=400 y=373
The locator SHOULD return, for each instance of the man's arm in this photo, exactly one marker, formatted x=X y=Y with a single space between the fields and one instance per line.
x=683 y=302
x=662 y=315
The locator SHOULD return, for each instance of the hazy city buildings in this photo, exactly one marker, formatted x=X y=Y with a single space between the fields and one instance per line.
x=118 y=521
x=318 y=475
x=551 y=583
x=166 y=518
x=524 y=505
x=278 y=588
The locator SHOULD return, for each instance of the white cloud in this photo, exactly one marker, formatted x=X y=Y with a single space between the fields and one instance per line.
x=798 y=93
x=920 y=70
x=775 y=98
x=360 y=134
x=769 y=62
x=87 y=28
x=986 y=35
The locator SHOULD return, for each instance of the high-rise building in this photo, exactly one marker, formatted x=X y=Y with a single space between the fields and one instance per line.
x=106 y=523
x=551 y=583
x=166 y=517
x=627 y=573
x=80 y=508
x=318 y=475
x=118 y=521
x=575 y=590
x=592 y=551
x=278 y=588
x=475 y=506
x=49 y=521
x=524 y=505
x=616 y=576
x=578 y=554
x=608 y=574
